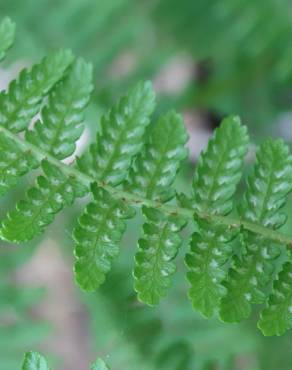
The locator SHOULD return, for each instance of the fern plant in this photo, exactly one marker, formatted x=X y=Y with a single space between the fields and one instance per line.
x=132 y=164
x=35 y=361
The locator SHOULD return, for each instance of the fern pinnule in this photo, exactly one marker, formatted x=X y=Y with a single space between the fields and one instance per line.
x=155 y=168
x=219 y=168
x=157 y=249
x=97 y=237
x=210 y=249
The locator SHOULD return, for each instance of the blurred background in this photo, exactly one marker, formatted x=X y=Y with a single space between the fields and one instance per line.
x=207 y=59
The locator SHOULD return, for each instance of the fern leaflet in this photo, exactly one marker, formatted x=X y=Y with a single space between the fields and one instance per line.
x=154 y=260
x=97 y=237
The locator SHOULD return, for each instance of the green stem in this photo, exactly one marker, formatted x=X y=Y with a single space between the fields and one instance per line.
x=137 y=200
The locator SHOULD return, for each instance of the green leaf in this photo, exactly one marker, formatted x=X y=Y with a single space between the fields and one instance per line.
x=52 y=193
x=34 y=361
x=154 y=260
x=210 y=249
x=120 y=136
x=99 y=364
x=14 y=163
x=217 y=175
x=277 y=317
x=266 y=194
x=7 y=33
x=21 y=102
x=97 y=237
x=219 y=168
x=154 y=169
x=61 y=121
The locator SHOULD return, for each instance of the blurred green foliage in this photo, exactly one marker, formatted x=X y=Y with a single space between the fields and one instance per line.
x=19 y=330
x=240 y=49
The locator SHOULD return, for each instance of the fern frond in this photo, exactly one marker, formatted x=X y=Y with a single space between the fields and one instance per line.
x=217 y=175
x=128 y=167
x=97 y=237
x=7 y=33
x=34 y=361
x=154 y=260
x=62 y=118
x=266 y=194
x=120 y=136
x=52 y=192
x=22 y=100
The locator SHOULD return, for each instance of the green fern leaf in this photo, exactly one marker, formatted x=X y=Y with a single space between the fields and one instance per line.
x=277 y=317
x=34 y=361
x=266 y=194
x=154 y=170
x=62 y=118
x=219 y=168
x=120 y=136
x=130 y=167
x=99 y=364
x=21 y=102
x=7 y=33
x=210 y=249
x=97 y=236
x=154 y=260
x=217 y=175
x=14 y=162
x=32 y=215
